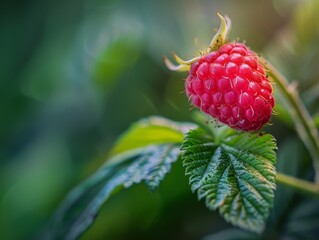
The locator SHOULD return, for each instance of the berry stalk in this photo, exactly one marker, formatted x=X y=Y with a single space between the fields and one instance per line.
x=299 y=185
x=303 y=121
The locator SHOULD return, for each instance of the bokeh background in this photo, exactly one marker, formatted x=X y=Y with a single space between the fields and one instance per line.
x=74 y=74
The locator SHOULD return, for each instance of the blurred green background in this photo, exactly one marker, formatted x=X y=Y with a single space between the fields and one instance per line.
x=74 y=74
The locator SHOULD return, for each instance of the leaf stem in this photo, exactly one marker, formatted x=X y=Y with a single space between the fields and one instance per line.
x=304 y=123
x=298 y=184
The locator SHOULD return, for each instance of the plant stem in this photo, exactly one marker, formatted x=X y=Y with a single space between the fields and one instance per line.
x=304 y=123
x=298 y=184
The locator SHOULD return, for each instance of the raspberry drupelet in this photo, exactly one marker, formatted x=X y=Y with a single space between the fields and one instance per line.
x=228 y=83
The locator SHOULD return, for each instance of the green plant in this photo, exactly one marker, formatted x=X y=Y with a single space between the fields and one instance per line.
x=233 y=171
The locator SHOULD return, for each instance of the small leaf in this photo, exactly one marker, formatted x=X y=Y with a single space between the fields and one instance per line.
x=235 y=174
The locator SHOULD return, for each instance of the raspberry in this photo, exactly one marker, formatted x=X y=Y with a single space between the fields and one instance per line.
x=231 y=85
x=228 y=82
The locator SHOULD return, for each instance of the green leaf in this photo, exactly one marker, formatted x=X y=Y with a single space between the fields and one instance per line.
x=80 y=208
x=152 y=130
x=235 y=174
x=143 y=154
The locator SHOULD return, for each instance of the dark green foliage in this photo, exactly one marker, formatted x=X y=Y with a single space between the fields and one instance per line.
x=233 y=171
x=149 y=164
x=75 y=74
x=154 y=147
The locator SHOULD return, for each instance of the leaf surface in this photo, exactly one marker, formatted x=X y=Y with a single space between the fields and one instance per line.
x=235 y=174
x=152 y=130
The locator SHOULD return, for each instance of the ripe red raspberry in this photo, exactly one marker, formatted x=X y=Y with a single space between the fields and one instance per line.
x=231 y=85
